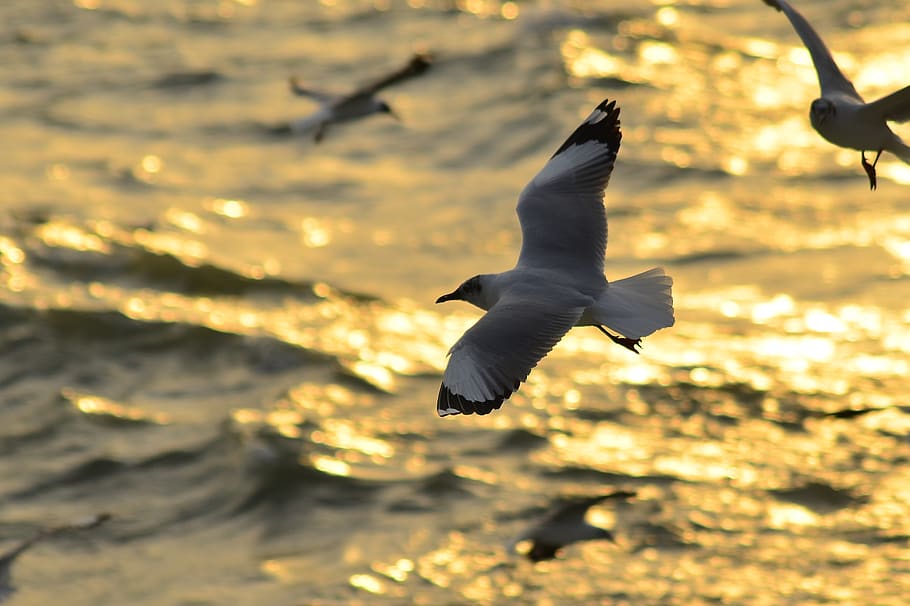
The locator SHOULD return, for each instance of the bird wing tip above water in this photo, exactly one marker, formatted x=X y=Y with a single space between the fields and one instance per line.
x=601 y=125
x=450 y=403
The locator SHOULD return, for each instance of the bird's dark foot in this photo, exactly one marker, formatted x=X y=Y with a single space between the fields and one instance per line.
x=870 y=169
x=629 y=344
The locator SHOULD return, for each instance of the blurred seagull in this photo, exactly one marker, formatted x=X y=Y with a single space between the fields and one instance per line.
x=565 y=524
x=357 y=104
x=558 y=281
x=840 y=115
x=8 y=558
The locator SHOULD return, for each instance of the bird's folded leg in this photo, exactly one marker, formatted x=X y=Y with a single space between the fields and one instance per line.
x=870 y=168
x=629 y=344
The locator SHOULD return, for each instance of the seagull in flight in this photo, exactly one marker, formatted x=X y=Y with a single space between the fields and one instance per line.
x=9 y=557
x=565 y=524
x=840 y=115
x=356 y=104
x=558 y=281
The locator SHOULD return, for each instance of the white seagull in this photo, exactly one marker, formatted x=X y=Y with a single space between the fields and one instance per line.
x=840 y=115
x=565 y=524
x=356 y=104
x=558 y=281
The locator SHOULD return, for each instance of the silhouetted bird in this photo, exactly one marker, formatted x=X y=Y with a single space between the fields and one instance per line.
x=565 y=524
x=7 y=559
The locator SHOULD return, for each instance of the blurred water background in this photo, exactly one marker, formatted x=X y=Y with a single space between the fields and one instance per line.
x=226 y=338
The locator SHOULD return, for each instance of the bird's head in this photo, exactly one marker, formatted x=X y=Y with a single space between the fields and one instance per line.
x=383 y=108
x=821 y=111
x=474 y=290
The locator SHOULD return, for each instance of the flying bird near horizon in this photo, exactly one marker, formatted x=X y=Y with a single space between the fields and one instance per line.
x=359 y=103
x=558 y=281
x=565 y=524
x=840 y=115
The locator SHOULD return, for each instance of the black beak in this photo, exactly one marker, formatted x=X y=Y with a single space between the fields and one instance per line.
x=452 y=296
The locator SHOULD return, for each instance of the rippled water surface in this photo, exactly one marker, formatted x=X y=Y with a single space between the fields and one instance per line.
x=225 y=337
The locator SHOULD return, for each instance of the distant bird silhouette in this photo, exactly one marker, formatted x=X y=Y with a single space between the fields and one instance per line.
x=356 y=104
x=565 y=524
x=840 y=115
x=8 y=558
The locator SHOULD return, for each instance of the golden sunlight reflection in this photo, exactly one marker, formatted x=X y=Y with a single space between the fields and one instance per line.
x=286 y=422
x=90 y=404
x=232 y=209
x=151 y=164
x=477 y=474
x=397 y=571
x=184 y=220
x=887 y=71
x=330 y=465
x=897 y=172
x=779 y=305
x=658 y=52
x=637 y=374
x=758 y=47
x=343 y=436
x=455 y=564
x=667 y=16
x=148 y=168
x=375 y=374
x=510 y=10
x=70 y=236
x=480 y=8
x=10 y=253
x=190 y=252
x=786 y=515
x=368 y=583
x=315 y=233
x=583 y=60
x=711 y=210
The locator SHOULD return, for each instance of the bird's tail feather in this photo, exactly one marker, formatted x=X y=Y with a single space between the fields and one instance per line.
x=638 y=305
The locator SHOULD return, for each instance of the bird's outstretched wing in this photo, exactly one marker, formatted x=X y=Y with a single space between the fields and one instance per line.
x=418 y=64
x=574 y=510
x=495 y=355
x=562 y=215
x=830 y=78
x=894 y=107
x=9 y=557
x=301 y=90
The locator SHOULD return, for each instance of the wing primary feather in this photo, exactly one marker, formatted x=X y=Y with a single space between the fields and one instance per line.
x=602 y=125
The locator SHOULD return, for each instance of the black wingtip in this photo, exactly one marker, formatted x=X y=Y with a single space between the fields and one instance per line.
x=450 y=403
x=601 y=125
